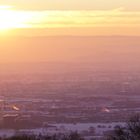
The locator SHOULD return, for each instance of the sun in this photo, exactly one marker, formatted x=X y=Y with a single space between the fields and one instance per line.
x=11 y=19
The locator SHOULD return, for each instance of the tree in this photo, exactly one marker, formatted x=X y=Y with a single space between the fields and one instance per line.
x=131 y=130
x=71 y=136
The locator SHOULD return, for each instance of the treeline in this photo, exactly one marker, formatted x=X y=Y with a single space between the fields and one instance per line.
x=71 y=136
x=129 y=131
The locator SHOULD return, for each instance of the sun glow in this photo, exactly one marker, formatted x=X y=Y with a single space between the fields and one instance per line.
x=11 y=19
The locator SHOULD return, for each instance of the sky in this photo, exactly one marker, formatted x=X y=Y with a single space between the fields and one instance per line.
x=70 y=17
x=72 y=4
x=25 y=23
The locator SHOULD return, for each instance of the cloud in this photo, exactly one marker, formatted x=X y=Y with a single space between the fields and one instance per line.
x=118 y=17
x=115 y=17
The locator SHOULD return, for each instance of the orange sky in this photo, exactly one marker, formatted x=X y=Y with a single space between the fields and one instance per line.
x=70 y=49
x=81 y=17
x=73 y=4
x=29 y=21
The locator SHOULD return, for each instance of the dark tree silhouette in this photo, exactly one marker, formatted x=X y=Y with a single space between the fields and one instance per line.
x=74 y=136
x=71 y=136
x=131 y=131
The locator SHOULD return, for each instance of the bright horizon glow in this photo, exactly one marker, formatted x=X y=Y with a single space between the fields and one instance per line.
x=108 y=20
x=6 y=6
x=10 y=18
